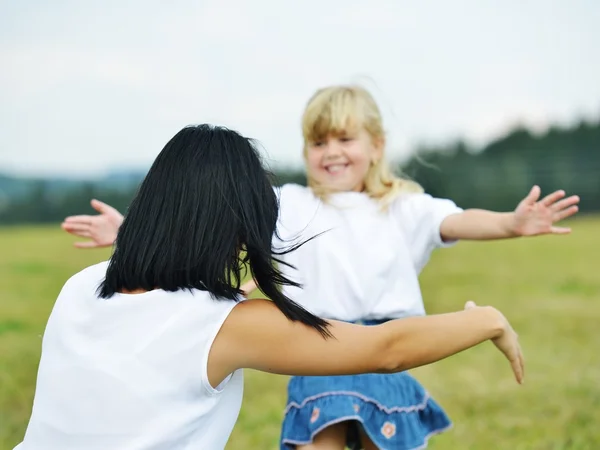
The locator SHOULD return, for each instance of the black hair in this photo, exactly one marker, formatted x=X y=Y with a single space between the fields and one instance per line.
x=206 y=201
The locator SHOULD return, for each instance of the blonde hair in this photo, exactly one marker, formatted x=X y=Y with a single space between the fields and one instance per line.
x=335 y=110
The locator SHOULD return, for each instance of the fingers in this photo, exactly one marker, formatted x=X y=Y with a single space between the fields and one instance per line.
x=101 y=207
x=565 y=203
x=470 y=304
x=562 y=208
x=77 y=230
x=80 y=233
x=560 y=230
x=533 y=195
x=561 y=215
x=549 y=199
x=76 y=227
x=83 y=219
x=522 y=361
x=565 y=208
x=517 y=366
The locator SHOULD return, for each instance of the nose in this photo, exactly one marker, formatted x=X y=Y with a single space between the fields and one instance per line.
x=332 y=150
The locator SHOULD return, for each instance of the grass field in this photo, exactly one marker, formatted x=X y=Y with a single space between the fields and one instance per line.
x=548 y=287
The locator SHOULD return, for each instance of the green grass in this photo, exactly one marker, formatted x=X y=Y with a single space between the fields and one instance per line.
x=549 y=288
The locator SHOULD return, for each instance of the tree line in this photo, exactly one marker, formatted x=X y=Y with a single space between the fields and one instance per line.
x=495 y=177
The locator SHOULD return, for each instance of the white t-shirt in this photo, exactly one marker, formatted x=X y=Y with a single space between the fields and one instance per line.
x=130 y=372
x=366 y=264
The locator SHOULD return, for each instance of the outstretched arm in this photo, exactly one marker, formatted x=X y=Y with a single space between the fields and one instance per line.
x=101 y=229
x=257 y=335
x=532 y=217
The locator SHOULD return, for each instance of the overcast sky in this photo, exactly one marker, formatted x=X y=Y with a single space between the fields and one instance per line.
x=90 y=86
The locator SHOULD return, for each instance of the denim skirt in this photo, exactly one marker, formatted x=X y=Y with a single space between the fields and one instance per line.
x=394 y=410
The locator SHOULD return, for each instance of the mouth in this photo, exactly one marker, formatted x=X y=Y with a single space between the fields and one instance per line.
x=335 y=168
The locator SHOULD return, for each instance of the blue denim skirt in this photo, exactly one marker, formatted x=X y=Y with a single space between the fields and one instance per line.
x=394 y=410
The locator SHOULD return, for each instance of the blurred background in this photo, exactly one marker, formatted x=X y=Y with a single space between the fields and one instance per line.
x=480 y=99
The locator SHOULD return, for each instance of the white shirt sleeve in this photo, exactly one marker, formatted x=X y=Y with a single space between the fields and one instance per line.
x=420 y=217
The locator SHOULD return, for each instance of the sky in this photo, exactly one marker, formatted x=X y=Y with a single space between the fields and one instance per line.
x=88 y=87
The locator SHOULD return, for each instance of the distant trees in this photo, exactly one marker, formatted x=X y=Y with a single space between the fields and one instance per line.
x=495 y=177
x=502 y=173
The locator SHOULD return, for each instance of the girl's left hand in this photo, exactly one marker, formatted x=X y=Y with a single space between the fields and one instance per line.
x=534 y=217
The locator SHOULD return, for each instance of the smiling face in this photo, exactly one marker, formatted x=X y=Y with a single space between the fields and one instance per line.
x=340 y=161
x=344 y=143
x=343 y=138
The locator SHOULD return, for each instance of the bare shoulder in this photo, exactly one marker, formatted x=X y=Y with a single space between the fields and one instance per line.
x=254 y=329
x=252 y=318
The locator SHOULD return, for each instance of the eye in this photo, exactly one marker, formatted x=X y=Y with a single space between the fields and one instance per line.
x=346 y=138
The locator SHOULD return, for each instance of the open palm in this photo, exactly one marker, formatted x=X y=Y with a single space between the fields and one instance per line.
x=100 y=229
x=533 y=216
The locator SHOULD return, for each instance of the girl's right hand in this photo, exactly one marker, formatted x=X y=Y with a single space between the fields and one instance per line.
x=101 y=229
x=508 y=343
